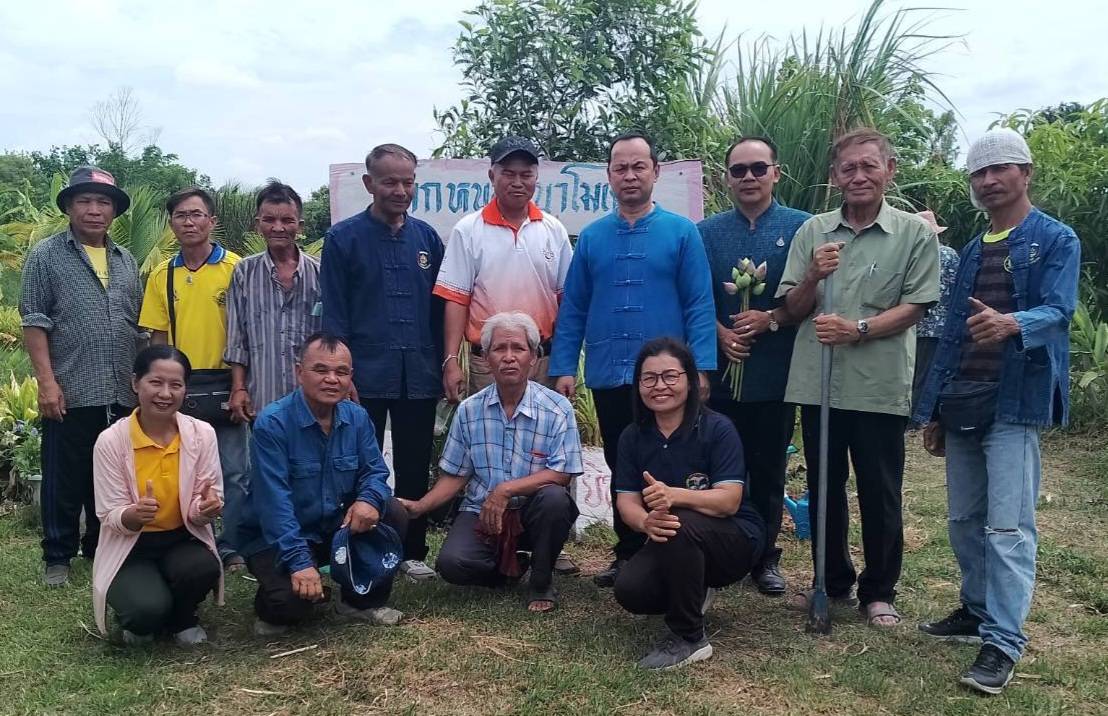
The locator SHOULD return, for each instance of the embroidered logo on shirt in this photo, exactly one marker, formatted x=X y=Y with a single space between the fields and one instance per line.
x=697 y=481
x=424 y=260
x=780 y=240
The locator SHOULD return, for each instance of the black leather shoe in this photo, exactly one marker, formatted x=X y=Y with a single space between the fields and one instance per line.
x=607 y=578
x=767 y=577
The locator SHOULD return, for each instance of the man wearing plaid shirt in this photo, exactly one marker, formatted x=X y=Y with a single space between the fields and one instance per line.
x=513 y=447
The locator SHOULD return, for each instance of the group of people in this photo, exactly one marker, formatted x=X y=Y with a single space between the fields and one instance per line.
x=309 y=360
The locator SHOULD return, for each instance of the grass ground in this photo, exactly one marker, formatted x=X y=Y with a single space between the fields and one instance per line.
x=475 y=652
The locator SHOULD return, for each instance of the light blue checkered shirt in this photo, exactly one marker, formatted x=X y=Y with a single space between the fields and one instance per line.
x=487 y=447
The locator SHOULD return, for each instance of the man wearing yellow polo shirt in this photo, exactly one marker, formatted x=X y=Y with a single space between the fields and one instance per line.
x=201 y=276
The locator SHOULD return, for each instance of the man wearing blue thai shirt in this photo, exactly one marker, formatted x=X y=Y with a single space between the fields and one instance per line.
x=762 y=230
x=638 y=273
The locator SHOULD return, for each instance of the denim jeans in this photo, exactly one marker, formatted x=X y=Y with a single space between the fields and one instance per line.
x=234 y=460
x=992 y=488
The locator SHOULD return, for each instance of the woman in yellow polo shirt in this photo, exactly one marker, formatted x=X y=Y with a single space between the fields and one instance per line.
x=158 y=487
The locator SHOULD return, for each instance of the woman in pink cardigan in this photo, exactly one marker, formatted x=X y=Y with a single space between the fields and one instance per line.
x=158 y=488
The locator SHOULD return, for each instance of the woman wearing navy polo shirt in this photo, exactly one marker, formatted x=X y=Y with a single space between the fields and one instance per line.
x=680 y=482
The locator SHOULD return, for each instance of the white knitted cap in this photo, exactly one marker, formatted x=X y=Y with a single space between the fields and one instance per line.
x=998 y=146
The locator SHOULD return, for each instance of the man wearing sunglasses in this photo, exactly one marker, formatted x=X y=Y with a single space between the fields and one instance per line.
x=761 y=229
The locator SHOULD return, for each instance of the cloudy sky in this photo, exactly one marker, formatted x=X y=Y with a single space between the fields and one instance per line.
x=248 y=89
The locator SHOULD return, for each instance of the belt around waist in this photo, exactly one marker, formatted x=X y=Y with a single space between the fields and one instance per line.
x=476 y=350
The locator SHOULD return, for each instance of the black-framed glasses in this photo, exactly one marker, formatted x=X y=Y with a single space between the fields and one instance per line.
x=758 y=169
x=669 y=377
x=183 y=216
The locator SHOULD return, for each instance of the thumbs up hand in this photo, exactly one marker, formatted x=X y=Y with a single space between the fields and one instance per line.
x=656 y=495
x=210 y=506
x=142 y=512
x=987 y=326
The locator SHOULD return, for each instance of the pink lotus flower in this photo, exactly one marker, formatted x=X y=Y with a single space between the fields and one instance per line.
x=760 y=272
x=729 y=288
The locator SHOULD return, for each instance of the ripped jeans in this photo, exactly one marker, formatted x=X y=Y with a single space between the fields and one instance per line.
x=992 y=489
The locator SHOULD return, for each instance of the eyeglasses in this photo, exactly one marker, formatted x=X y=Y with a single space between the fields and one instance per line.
x=669 y=377
x=183 y=216
x=758 y=169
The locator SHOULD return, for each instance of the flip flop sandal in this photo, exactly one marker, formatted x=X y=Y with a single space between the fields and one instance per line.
x=550 y=594
x=886 y=611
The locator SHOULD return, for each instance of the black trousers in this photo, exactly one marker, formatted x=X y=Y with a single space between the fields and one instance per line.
x=469 y=558
x=614 y=413
x=413 y=435
x=925 y=354
x=765 y=428
x=276 y=603
x=874 y=443
x=672 y=577
x=163 y=581
x=67 y=481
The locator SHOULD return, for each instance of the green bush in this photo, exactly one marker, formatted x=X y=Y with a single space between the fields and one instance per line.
x=1088 y=371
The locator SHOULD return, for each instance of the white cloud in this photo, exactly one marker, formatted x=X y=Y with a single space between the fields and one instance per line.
x=209 y=73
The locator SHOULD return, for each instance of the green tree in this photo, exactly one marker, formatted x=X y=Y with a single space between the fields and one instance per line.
x=568 y=73
x=317 y=213
x=155 y=168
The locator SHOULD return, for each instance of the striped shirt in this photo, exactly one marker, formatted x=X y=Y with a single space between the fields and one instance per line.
x=994 y=288
x=266 y=325
x=91 y=329
x=489 y=448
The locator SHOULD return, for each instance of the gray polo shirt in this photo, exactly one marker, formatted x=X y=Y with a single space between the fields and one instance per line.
x=92 y=330
x=894 y=260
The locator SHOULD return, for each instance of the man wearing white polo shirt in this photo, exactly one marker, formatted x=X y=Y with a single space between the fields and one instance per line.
x=508 y=256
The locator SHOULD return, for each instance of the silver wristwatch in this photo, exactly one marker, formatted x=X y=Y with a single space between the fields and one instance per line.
x=863 y=328
x=773 y=324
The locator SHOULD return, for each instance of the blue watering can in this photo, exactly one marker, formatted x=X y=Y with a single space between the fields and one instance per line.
x=798 y=509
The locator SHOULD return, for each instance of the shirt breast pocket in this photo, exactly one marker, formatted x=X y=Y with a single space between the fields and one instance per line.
x=345 y=469
x=304 y=483
x=881 y=289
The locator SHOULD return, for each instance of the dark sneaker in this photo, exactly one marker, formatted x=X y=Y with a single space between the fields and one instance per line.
x=768 y=577
x=57 y=575
x=673 y=652
x=607 y=578
x=991 y=671
x=960 y=626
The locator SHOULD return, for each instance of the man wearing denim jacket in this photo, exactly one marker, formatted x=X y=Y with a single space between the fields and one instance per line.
x=1011 y=307
x=316 y=468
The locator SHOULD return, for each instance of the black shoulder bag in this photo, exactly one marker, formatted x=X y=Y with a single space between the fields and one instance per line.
x=967 y=407
x=209 y=390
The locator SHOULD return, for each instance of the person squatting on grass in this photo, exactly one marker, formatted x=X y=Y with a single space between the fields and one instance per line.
x=79 y=309
x=158 y=488
x=1000 y=376
x=680 y=483
x=513 y=446
x=317 y=471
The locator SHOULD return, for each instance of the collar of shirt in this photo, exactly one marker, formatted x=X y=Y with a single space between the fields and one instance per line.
x=76 y=243
x=304 y=416
x=641 y=223
x=216 y=255
x=759 y=220
x=493 y=216
x=269 y=263
x=381 y=226
x=526 y=403
x=139 y=438
x=832 y=221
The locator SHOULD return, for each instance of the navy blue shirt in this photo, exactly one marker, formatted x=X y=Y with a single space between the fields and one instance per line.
x=728 y=239
x=303 y=480
x=376 y=288
x=697 y=458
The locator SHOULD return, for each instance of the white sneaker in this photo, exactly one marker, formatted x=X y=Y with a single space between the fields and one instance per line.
x=709 y=600
x=417 y=570
x=382 y=616
x=264 y=628
x=132 y=639
x=191 y=636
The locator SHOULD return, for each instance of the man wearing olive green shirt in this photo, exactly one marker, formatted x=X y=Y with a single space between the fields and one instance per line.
x=886 y=268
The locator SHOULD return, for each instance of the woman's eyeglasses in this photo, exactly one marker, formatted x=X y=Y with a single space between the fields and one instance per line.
x=758 y=169
x=669 y=377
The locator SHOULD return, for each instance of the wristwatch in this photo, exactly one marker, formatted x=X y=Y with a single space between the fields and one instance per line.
x=863 y=328
x=773 y=324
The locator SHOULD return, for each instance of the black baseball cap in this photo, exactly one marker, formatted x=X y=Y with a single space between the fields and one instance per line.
x=510 y=145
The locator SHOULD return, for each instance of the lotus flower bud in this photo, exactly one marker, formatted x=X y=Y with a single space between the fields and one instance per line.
x=734 y=274
x=730 y=289
x=760 y=272
x=750 y=268
x=758 y=289
x=743 y=281
x=744 y=265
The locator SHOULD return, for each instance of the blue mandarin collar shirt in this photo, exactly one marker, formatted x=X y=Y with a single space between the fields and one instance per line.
x=728 y=239
x=376 y=288
x=304 y=480
x=630 y=284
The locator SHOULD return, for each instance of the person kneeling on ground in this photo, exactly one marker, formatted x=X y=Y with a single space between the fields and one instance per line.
x=680 y=482
x=513 y=446
x=317 y=469
x=158 y=487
